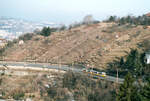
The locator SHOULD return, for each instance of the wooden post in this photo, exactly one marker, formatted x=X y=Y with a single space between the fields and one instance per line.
x=117 y=76
x=91 y=76
x=59 y=65
x=117 y=82
x=72 y=66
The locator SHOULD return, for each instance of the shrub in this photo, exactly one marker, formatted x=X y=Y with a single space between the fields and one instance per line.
x=58 y=94
x=80 y=87
x=0 y=81
x=52 y=92
x=26 y=37
x=9 y=44
x=69 y=80
x=75 y=25
x=63 y=27
x=2 y=74
x=86 y=88
x=18 y=95
x=145 y=45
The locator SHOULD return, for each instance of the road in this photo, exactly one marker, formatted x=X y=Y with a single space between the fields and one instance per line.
x=62 y=67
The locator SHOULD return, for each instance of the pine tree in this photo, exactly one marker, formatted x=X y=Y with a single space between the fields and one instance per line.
x=112 y=18
x=133 y=62
x=46 y=31
x=146 y=91
x=122 y=21
x=121 y=63
x=127 y=90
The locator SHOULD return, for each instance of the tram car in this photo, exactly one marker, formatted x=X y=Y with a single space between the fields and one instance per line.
x=93 y=72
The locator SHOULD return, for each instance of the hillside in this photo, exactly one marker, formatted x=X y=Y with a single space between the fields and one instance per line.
x=95 y=44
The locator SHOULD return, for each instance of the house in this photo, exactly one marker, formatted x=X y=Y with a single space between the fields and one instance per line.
x=21 y=42
x=3 y=42
x=148 y=57
x=148 y=14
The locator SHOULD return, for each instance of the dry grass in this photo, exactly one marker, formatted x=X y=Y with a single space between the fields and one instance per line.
x=81 y=44
x=32 y=86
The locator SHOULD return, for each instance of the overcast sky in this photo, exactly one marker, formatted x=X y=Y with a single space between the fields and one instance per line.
x=68 y=11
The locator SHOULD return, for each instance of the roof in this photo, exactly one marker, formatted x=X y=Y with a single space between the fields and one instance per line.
x=148 y=14
x=2 y=39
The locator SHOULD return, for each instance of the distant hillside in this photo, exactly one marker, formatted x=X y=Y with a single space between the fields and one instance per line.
x=95 y=44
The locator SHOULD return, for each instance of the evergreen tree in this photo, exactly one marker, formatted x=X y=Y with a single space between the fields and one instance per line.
x=127 y=90
x=122 y=21
x=129 y=19
x=133 y=62
x=46 y=31
x=112 y=19
x=146 y=91
x=142 y=59
x=121 y=63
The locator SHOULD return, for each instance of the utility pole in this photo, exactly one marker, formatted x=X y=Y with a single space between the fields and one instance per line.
x=72 y=65
x=59 y=65
x=117 y=76
x=25 y=57
x=92 y=68
x=91 y=77
x=117 y=82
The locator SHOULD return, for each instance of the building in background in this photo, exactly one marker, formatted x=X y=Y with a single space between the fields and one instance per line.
x=148 y=57
x=3 y=42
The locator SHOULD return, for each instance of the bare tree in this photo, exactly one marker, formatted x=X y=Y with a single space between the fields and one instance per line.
x=88 y=19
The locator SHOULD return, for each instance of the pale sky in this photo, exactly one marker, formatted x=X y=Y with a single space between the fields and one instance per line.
x=68 y=11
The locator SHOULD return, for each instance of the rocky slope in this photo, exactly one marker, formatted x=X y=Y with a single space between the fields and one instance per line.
x=93 y=45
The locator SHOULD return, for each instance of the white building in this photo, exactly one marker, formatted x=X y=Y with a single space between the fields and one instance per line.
x=3 y=42
x=148 y=57
x=21 y=42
